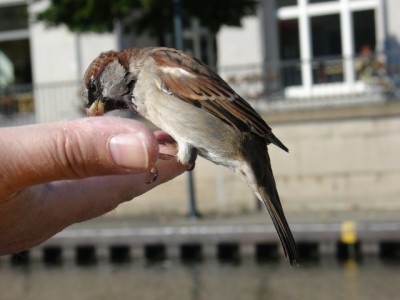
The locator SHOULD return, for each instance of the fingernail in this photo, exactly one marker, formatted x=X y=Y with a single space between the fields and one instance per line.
x=130 y=151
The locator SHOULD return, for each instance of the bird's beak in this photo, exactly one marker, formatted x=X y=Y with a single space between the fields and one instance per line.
x=96 y=109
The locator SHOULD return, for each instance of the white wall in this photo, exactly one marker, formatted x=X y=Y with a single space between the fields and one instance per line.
x=240 y=56
x=54 y=56
x=240 y=45
x=391 y=16
x=54 y=50
x=12 y=2
x=333 y=166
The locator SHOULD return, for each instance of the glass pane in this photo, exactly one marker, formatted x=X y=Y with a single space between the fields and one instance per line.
x=367 y=66
x=15 y=69
x=13 y=17
x=364 y=30
x=17 y=53
x=283 y=3
x=327 y=64
x=289 y=45
x=318 y=1
x=289 y=52
x=326 y=35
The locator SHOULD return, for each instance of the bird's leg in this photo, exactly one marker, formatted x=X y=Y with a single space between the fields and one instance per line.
x=153 y=172
x=168 y=140
x=164 y=156
x=165 y=139
x=162 y=139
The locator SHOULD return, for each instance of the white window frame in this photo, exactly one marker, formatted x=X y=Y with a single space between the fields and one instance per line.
x=303 y=11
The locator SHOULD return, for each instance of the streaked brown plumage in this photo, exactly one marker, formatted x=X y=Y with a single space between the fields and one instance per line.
x=192 y=103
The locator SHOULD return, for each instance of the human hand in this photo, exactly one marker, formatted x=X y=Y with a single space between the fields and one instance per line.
x=54 y=175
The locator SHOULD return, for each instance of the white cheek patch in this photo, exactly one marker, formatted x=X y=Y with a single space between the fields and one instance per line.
x=176 y=71
x=112 y=80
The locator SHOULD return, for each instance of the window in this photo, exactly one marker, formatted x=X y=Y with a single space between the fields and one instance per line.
x=15 y=60
x=18 y=53
x=289 y=46
x=327 y=65
x=319 y=1
x=325 y=33
x=364 y=30
x=14 y=42
x=283 y=3
x=13 y=17
x=319 y=40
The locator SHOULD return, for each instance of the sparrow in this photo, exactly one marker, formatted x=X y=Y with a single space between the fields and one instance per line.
x=188 y=100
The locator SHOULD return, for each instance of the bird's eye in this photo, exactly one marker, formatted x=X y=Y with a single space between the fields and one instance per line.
x=93 y=88
x=131 y=85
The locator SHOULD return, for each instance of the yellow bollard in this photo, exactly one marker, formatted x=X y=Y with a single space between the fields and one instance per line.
x=349 y=238
x=349 y=232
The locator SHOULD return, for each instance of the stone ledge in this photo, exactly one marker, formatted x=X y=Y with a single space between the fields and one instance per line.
x=328 y=113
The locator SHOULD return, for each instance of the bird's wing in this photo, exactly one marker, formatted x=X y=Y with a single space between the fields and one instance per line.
x=195 y=83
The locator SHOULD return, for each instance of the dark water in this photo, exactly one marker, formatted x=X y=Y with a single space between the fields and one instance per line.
x=324 y=280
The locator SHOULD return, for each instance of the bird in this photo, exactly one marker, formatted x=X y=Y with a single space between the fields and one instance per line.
x=199 y=110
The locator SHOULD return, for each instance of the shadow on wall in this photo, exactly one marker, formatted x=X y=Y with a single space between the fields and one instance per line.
x=392 y=47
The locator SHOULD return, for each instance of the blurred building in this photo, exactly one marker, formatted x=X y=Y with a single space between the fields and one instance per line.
x=316 y=49
x=292 y=49
x=325 y=72
x=47 y=63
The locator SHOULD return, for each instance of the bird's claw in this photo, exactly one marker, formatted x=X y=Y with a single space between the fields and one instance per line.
x=154 y=172
x=163 y=156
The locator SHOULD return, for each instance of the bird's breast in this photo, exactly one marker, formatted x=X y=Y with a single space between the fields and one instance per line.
x=189 y=125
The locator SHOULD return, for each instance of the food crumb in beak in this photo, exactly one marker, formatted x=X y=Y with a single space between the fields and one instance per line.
x=96 y=109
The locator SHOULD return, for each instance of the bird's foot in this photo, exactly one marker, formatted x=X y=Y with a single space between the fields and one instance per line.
x=165 y=139
x=164 y=156
x=153 y=172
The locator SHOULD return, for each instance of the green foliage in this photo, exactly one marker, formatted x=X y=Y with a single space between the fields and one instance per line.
x=87 y=15
x=152 y=16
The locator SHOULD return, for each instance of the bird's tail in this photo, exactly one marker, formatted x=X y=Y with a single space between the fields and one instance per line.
x=265 y=189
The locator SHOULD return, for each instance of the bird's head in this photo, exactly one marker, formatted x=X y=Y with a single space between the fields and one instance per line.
x=108 y=83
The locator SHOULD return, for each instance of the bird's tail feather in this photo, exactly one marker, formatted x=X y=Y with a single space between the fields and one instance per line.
x=266 y=189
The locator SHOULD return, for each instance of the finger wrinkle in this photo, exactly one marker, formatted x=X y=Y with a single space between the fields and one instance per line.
x=70 y=154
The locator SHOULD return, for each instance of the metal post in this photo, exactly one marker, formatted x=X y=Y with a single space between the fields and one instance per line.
x=192 y=210
x=78 y=52
x=178 y=24
x=259 y=205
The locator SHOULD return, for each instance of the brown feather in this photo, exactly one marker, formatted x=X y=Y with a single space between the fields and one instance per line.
x=204 y=88
x=105 y=58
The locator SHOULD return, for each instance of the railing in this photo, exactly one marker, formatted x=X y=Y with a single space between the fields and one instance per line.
x=278 y=85
x=319 y=82
x=28 y=104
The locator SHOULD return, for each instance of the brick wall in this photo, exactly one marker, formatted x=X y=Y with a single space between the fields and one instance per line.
x=340 y=159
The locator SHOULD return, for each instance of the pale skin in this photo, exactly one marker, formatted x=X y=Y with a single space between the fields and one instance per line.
x=55 y=175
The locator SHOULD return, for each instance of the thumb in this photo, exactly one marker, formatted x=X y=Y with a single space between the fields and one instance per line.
x=74 y=149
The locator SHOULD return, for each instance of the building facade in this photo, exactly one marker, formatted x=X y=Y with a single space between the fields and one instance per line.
x=292 y=49
x=318 y=48
x=47 y=63
x=322 y=73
